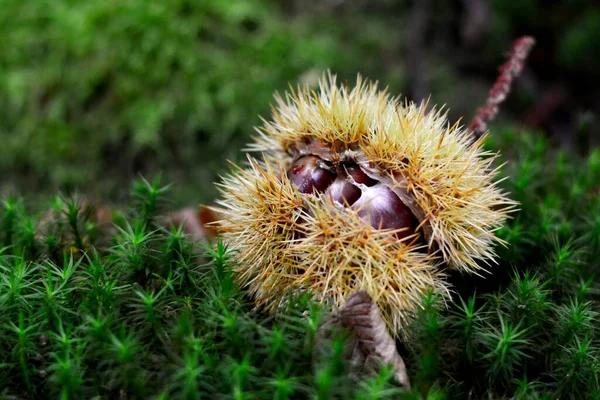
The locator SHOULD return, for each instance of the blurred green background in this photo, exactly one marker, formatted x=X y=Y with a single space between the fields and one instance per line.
x=95 y=92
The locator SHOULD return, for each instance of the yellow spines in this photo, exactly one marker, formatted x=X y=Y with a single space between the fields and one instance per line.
x=287 y=240
x=286 y=244
x=450 y=177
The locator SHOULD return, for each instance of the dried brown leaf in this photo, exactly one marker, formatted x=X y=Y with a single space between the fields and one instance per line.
x=194 y=222
x=368 y=341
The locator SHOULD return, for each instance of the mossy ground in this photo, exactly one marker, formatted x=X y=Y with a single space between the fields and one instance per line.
x=94 y=92
x=133 y=310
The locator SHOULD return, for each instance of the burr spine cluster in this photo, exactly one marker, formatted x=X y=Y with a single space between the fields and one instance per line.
x=358 y=191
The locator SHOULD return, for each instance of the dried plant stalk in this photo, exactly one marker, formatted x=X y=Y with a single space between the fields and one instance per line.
x=508 y=72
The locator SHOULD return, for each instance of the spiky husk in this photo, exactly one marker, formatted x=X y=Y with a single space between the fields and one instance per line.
x=450 y=178
x=288 y=243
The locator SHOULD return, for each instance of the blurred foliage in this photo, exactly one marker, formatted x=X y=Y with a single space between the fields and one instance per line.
x=574 y=24
x=574 y=27
x=567 y=53
x=94 y=92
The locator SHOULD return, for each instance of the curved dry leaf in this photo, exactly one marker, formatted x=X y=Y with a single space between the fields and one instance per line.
x=369 y=344
x=194 y=222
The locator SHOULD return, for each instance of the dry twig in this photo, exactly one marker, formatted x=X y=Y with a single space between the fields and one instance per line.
x=508 y=72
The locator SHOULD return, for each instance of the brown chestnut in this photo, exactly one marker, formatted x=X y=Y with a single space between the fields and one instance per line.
x=382 y=208
x=308 y=175
x=358 y=175
x=344 y=192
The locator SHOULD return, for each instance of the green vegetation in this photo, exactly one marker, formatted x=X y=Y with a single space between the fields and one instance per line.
x=92 y=93
x=138 y=311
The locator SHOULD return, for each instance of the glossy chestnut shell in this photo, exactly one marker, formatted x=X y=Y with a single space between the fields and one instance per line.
x=343 y=179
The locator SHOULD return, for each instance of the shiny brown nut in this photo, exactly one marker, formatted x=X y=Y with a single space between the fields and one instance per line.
x=382 y=208
x=344 y=192
x=359 y=176
x=308 y=175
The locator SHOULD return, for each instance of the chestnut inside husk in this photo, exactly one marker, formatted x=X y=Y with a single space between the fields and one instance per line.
x=323 y=169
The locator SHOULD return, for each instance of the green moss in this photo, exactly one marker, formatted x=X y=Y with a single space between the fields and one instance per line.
x=137 y=311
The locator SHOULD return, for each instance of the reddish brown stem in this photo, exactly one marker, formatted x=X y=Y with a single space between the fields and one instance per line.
x=508 y=72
